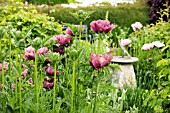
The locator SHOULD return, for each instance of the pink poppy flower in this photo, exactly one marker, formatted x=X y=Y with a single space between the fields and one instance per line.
x=42 y=51
x=30 y=80
x=29 y=53
x=99 y=61
x=50 y=71
x=101 y=26
x=136 y=25
x=125 y=42
x=5 y=66
x=48 y=84
x=147 y=46
x=62 y=40
x=24 y=73
x=13 y=86
x=158 y=44
x=69 y=32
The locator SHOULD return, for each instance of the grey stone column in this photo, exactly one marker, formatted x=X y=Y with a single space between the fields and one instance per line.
x=125 y=76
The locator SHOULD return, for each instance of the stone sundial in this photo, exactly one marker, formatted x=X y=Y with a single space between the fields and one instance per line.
x=125 y=76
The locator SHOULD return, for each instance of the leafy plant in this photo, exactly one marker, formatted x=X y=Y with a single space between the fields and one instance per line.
x=157 y=6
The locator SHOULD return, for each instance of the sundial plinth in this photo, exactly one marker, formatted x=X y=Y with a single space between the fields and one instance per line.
x=125 y=76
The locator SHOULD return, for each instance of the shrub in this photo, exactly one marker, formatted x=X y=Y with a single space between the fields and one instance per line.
x=26 y=20
x=155 y=7
x=50 y=2
x=122 y=15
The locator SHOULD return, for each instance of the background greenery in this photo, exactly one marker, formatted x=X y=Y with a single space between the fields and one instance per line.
x=152 y=70
x=123 y=15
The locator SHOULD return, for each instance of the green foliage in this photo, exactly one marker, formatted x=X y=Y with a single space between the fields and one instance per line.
x=153 y=67
x=11 y=0
x=78 y=87
x=50 y=2
x=27 y=22
x=131 y=14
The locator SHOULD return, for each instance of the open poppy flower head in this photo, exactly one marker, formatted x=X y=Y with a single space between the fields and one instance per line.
x=50 y=71
x=48 y=84
x=101 y=26
x=43 y=51
x=62 y=39
x=99 y=61
x=5 y=67
x=29 y=53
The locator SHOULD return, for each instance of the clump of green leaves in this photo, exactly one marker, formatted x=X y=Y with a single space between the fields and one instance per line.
x=23 y=18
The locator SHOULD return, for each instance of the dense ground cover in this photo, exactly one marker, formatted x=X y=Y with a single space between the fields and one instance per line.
x=44 y=69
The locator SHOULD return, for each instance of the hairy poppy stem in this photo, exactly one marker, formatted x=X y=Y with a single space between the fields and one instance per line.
x=36 y=79
x=99 y=44
x=73 y=88
x=96 y=93
x=54 y=93
x=80 y=32
x=20 y=95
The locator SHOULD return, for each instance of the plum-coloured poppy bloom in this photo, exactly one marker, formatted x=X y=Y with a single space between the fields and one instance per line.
x=29 y=53
x=59 y=50
x=158 y=44
x=136 y=25
x=62 y=39
x=99 y=61
x=5 y=66
x=147 y=46
x=42 y=51
x=13 y=86
x=30 y=80
x=24 y=73
x=50 y=71
x=70 y=32
x=101 y=26
x=48 y=84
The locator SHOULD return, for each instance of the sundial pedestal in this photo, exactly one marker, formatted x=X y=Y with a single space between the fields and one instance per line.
x=125 y=76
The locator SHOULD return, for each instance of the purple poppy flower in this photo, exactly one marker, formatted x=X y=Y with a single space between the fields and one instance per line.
x=5 y=66
x=62 y=39
x=50 y=71
x=42 y=51
x=69 y=32
x=101 y=26
x=30 y=80
x=59 y=50
x=48 y=84
x=29 y=53
x=99 y=61
x=24 y=73
x=13 y=86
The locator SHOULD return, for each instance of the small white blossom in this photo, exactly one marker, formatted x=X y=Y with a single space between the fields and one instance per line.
x=147 y=46
x=158 y=44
